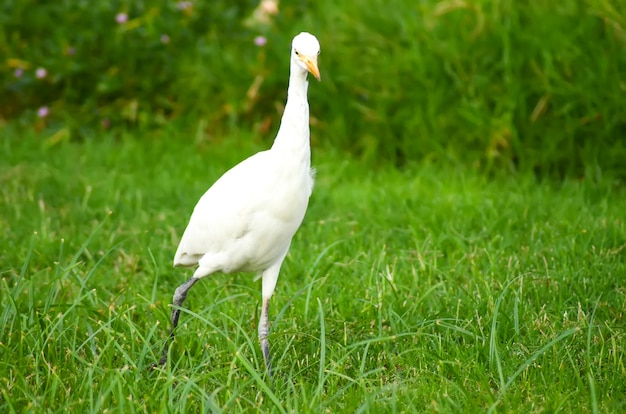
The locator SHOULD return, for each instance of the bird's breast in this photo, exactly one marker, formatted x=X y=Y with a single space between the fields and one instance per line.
x=290 y=195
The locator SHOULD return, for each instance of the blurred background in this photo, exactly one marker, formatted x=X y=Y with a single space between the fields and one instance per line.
x=497 y=85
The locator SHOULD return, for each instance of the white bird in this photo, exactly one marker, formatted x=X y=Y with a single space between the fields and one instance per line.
x=246 y=220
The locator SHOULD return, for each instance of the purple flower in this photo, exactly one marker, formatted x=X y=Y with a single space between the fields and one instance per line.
x=165 y=39
x=260 y=41
x=184 y=5
x=41 y=73
x=43 y=112
x=121 y=18
x=18 y=72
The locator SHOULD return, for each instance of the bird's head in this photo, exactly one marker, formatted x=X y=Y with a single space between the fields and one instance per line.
x=304 y=51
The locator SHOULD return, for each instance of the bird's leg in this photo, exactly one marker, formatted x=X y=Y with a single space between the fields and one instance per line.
x=270 y=277
x=179 y=297
x=263 y=332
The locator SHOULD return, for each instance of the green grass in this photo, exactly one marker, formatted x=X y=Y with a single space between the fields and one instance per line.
x=436 y=288
x=485 y=275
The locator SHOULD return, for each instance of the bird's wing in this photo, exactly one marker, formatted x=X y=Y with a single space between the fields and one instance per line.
x=225 y=212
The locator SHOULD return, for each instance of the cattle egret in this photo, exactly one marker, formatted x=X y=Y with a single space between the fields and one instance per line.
x=246 y=220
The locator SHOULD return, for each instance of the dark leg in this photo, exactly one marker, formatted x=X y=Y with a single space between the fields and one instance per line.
x=263 y=332
x=179 y=297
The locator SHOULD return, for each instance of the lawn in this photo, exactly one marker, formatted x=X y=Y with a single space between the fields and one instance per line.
x=435 y=287
x=463 y=251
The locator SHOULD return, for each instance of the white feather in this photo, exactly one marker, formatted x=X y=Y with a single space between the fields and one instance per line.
x=246 y=220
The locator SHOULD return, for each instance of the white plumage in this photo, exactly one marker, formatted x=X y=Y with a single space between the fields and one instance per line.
x=246 y=220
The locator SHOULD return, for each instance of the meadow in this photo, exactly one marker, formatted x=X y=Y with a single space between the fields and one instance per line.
x=429 y=289
x=463 y=250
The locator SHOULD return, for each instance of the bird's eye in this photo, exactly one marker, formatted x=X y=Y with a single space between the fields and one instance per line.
x=297 y=53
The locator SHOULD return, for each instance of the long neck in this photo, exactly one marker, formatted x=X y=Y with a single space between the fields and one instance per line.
x=293 y=134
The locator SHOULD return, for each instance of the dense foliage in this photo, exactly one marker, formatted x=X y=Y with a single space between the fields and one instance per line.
x=536 y=85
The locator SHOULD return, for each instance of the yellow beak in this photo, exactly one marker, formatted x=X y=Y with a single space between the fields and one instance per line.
x=311 y=65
